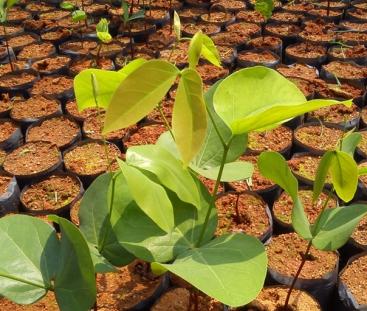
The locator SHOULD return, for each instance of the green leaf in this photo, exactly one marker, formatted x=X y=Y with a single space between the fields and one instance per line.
x=96 y=222
x=105 y=37
x=202 y=45
x=137 y=15
x=143 y=238
x=232 y=171
x=189 y=121
x=153 y=200
x=75 y=284
x=11 y=3
x=211 y=153
x=102 y=25
x=167 y=169
x=273 y=166
x=139 y=93
x=177 y=26
x=230 y=268
x=258 y=97
x=67 y=6
x=344 y=175
x=78 y=15
x=29 y=258
x=349 y=143
x=336 y=225
x=101 y=264
x=321 y=174
x=265 y=8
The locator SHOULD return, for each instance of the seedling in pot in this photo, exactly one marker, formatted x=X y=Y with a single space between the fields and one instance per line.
x=265 y=8
x=5 y=6
x=127 y=17
x=103 y=36
x=77 y=15
x=333 y=226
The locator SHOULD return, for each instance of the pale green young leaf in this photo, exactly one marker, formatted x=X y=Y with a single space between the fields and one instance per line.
x=67 y=6
x=258 y=97
x=78 y=15
x=231 y=268
x=344 y=175
x=189 y=121
x=336 y=225
x=75 y=283
x=209 y=51
x=139 y=93
x=177 y=26
x=321 y=174
x=233 y=171
x=195 y=47
x=29 y=260
x=167 y=169
x=150 y=197
x=350 y=142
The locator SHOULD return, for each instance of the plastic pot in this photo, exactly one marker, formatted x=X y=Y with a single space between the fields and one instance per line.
x=9 y=201
x=20 y=87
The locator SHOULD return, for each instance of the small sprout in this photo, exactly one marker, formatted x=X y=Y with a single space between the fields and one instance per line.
x=102 y=31
x=67 y=6
x=78 y=15
x=265 y=8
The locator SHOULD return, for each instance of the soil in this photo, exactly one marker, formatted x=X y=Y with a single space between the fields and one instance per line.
x=7 y=129
x=353 y=26
x=167 y=107
x=232 y=5
x=305 y=166
x=344 y=70
x=84 y=63
x=2 y=156
x=16 y=79
x=53 y=86
x=244 y=29
x=79 y=47
x=273 y=299
x=358 y=14
x=34 y=108
x=56 y=35
x=53 y=193
x=362 y=146
x=32 y=158
x=230 y=39
x=179 y=55
x=93 y=125
x=18 y=65
x=250 y=17
x=283 y=206
x=162 y=38
x=344 y=90
x=218 y=18
x=287 y=17
x=16 y=15
x=210 y=184
x=282 y=30
x=36 y=51
x=54 y=15
x=11 y=31
x=299 y=71
x=357 y=51
x=318 y=138
x=36 y=7
x=144 y=135
x=360 y=233
x=259 y=183
x=352 y=37
x=227 y=54
x=22 y=40
x=178 y=299
x=260 y=57
x=306 y=86
x=72 y=109
x=208 y=29
x=90 y=158
x=211 y=73
x=336 y=114
x=51 y=64
x=251 y=219
x=285 y=254
x=130 y=285
x=307 y=51
x=47 y=303
x=191 y=13
x=4 y=184
x=277 y=139
x=266 y=42
x=60 y=131
x=324 y=13
x=318 y=31
x=354 y=277
x=74 y=213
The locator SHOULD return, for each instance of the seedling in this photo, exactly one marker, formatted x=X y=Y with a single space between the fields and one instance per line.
x=265 y=8
x=77 y=15
x=103 y=36
x=333 y=226
x=5 y=6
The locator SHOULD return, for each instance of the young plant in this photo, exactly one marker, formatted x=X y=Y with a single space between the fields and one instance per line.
x=5 y=6
x=103 y=36
x=77 y=15
x=128 y=15
x=333 y=226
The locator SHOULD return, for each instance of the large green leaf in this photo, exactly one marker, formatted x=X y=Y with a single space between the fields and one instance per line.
x=335 y=226
x=167 y=169
x=29 y=258
x=96 y=222
x=202 y=45
x=273 y=166
x=139 y=93
x=150 y=196
x=143 y=238
x=350 y=142
x=232 y=171
x=106 y=81
x=189 y=121
x=212 y=150
x=344 y=175
x=258 y=97
x=230 y=268
x=75 y=284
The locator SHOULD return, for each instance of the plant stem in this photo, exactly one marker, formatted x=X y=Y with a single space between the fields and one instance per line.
x=238 y=217
x=164 y=119
x=7 y=48
x=304 y=259
x=214 y=194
